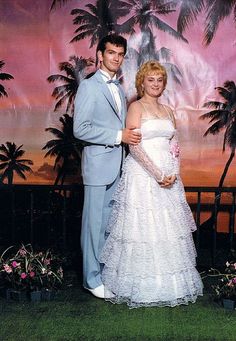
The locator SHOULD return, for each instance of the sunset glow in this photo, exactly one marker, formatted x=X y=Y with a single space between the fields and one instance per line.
x=34 y=41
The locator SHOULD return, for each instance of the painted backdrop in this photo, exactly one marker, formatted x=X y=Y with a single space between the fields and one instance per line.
x=48 y=46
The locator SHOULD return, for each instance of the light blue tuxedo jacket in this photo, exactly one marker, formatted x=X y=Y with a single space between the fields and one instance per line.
x=97 y=122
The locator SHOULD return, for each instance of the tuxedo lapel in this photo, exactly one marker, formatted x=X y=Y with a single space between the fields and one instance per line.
x=106 y=92
x=123 y=104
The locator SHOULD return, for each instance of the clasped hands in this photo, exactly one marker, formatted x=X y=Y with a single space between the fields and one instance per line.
x=168 y=181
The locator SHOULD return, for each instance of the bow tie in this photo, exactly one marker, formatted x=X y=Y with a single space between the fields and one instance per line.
x=115 y=81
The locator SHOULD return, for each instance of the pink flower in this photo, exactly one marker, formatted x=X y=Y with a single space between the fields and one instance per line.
x=174 y=149
x=47 y=261
x=235 y=266
x=234 y=280
x=22 y=252
x=23 y=275
x=15 y=264
x=7 y=268
x=32 y=274
x=230 y=283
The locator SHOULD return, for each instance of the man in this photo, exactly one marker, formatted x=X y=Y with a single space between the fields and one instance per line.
x=99 y=120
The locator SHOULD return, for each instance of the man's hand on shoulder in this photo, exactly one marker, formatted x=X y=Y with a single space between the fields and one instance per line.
x=131 y=136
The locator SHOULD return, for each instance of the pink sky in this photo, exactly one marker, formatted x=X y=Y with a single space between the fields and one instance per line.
x=34 y=41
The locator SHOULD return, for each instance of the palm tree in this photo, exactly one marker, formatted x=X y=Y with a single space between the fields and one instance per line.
x=10 y=162
x=188 y=12
x=216 y=11
x=75 y=71
x=104 y=16
x=146 y=14
x=4 y=76
x=101 y=19
x=224 y=118
x=148 y=50
x=65 y=148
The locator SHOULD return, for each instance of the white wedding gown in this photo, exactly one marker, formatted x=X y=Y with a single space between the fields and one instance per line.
x=149 y=255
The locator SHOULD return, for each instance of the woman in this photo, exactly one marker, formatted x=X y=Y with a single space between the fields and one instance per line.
x=149 y=255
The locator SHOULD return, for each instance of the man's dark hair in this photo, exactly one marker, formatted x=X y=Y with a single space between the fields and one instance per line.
x=113 y=39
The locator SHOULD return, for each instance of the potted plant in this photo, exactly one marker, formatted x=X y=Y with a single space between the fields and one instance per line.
x=225 y=287
x=28 y=272
x=12 y=276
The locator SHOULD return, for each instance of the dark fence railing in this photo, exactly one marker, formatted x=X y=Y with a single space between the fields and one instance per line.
x=214 y=233
x=45 y=215
x=50 y=215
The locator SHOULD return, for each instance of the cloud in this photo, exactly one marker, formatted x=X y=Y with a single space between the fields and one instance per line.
x=46 y=172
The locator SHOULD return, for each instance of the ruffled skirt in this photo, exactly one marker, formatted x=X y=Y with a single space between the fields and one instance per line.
x=149 y=256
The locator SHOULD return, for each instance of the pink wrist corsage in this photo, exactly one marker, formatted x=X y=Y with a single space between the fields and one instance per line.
x=174 y=149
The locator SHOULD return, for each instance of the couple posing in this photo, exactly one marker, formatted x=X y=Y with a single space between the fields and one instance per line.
x=136 y=232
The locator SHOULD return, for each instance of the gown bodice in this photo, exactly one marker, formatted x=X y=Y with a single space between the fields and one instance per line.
x=156 y=127
x=156 y=136
x=157 y=132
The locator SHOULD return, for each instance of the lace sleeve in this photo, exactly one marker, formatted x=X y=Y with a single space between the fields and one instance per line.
x=175 y=151
x=143 y=159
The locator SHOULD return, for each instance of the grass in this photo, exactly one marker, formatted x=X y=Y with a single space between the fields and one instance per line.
x=75 y=315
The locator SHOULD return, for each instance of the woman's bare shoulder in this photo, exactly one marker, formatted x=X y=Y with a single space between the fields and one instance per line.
x=135 y=108
x=134 y=114
x=135 y=105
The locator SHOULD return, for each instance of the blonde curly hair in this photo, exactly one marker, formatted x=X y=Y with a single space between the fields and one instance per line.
x=151 y=67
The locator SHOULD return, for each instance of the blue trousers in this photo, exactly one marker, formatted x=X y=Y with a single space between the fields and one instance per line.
x=95 y=216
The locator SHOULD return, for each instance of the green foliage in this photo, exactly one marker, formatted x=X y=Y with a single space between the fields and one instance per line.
x=29 y=270
x=226 y=284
